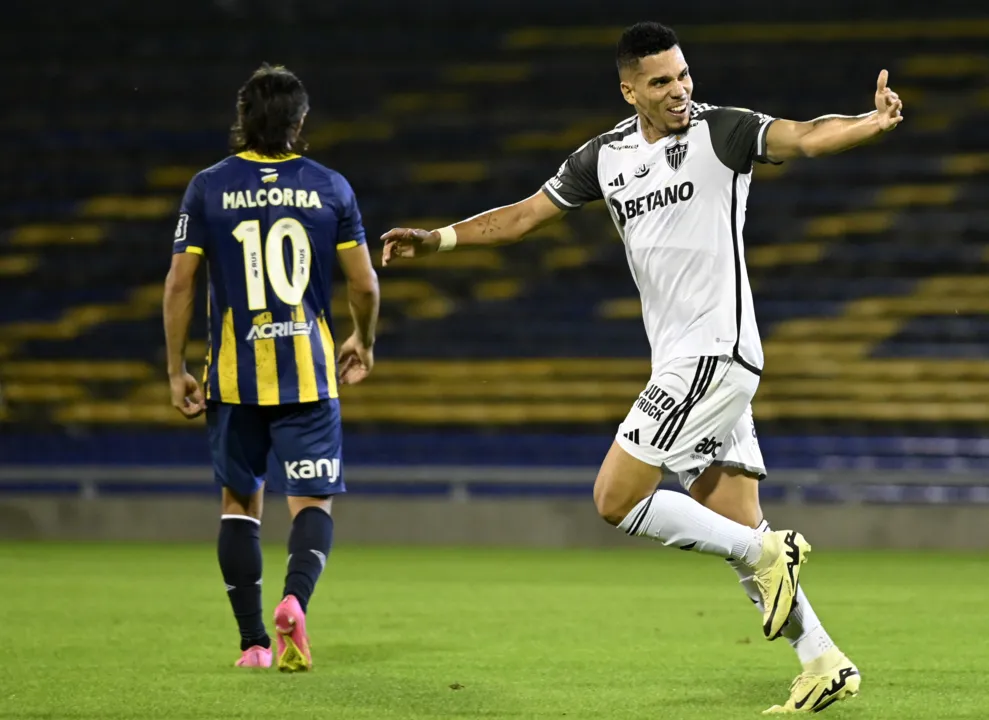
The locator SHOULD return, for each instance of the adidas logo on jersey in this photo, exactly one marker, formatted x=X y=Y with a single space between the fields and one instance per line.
x=618 y=181
x=632 y=436
x=708 y=446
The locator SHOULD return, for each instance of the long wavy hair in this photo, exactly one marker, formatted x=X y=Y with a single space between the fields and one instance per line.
x=270 y=109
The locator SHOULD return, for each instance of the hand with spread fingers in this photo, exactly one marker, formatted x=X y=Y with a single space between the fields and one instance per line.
x=408 y=243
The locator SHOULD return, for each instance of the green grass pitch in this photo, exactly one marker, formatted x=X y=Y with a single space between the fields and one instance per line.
x=105 y=632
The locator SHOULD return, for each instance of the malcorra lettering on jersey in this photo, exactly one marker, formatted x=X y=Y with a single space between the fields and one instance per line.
x=281 y=197
x=308 y=469
x=279 y=329
x=659 y=198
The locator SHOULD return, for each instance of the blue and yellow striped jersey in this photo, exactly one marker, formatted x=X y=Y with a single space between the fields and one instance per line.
x=269 y=230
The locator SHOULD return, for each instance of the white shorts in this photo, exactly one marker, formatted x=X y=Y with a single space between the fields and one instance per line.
x=695 y=412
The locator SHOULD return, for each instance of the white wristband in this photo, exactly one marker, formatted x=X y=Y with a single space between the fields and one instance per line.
x=448 y=238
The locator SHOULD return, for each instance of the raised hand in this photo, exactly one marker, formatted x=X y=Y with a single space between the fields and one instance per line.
x=888 y=104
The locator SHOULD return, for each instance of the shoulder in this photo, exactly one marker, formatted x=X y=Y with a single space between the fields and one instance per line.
x=225 y=165
x=613 y=139
x=718 y=114
x=213 y=173
x=330 y=177
x=702 y=111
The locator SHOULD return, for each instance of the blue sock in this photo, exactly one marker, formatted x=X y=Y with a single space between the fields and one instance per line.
x=308 y=547
x=239 y=550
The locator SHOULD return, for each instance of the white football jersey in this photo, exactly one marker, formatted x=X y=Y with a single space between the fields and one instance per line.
x=679 y=206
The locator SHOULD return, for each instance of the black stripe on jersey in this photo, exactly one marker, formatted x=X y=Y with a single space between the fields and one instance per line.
x=738 y=280
x=665 y=435
x=677 y=427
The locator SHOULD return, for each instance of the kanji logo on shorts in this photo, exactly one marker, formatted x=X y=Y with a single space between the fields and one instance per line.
x=307 y=469
x=708 y=446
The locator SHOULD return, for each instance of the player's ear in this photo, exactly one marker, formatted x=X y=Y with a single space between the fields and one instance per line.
x=628 y=92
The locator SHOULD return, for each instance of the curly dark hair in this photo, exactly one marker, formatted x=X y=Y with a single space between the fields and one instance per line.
x=641 y=40
x=270 y=108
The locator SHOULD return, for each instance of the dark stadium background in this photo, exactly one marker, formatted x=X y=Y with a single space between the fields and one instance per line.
x=502 y=374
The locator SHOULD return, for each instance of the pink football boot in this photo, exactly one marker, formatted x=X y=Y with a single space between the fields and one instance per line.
x=255 y=657
x=293 y=643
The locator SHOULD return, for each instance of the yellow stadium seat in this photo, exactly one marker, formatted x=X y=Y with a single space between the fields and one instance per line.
x=14 y=265
x=816 y=32
x=327 y=135
x=522 y=389
x=410 y=102
x=171 y=177
x=885 y=411
x=123 y=207
x=502 y=289
x=120 y=413
x=80 y=370
x=51 y=234
x=835 y=328
x=864 y=222
x=566 y=257
x=784 y=254
x=620 y=309
x=42 y=392
x=487 y=73
x=942 y=65
x=929 y=194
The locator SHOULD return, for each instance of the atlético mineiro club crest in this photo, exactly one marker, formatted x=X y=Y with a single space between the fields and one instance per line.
x=675 y=154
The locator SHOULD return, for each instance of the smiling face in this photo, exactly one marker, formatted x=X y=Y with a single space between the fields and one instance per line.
x=659 y=86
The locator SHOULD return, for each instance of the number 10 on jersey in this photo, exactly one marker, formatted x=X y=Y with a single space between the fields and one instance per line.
x=289 y=290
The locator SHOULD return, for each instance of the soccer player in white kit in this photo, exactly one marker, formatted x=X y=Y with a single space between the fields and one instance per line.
x=675 y=178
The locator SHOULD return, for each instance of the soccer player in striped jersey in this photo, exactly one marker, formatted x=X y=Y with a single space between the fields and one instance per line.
x=675 y=179
x=271 y=225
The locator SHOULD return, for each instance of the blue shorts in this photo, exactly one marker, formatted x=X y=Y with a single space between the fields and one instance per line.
x=296 y=448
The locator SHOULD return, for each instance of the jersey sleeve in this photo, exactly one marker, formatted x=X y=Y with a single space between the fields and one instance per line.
x=576 y=182
x=739 y=137
x=351 y=229
x=191 y=232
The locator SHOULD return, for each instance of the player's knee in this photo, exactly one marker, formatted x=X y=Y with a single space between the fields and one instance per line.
x=613 y=501
x=234 y=503
x=298 y=503
x=731 y=492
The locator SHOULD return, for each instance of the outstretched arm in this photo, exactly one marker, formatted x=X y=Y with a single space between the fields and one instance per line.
x=832 y=134
x=501 y=225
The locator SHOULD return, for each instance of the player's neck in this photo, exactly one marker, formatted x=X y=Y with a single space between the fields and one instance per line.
x=650 y=132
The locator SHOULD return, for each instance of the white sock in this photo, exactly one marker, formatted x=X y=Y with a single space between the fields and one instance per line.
x=803 y=630
x=679 y=520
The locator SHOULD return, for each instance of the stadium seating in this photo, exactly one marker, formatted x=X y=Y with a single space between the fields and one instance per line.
x=870 y=270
